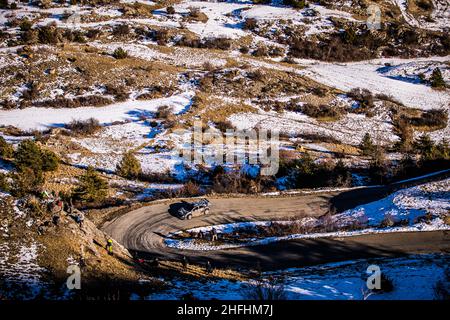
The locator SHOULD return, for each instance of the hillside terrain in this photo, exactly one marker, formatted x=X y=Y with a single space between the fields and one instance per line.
x=99 y=106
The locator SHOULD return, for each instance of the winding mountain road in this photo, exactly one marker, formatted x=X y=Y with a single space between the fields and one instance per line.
x=142 y=231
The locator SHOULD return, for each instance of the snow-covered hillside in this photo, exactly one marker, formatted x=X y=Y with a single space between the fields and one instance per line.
x=413 y=278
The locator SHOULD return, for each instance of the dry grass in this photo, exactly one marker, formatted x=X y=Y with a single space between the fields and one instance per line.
x=77 y=69
x=212 y=108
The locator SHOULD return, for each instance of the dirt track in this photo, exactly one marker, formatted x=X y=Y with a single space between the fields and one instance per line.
x=142 y=231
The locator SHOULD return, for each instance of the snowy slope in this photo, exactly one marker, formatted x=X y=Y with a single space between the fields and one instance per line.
x=369 y=75
x=414 y=278
x=43 y=118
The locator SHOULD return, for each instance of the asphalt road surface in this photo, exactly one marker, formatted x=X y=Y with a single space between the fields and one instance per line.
x=142 y=231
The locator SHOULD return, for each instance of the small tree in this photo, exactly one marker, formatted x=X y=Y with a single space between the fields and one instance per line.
x=437 y=81
x=26 y=181
x=298 y=4
x=4 y=184
x=120 y=53
x=443 y=149
x=129 y=167
x=378 y=167
x=92 y=187
x=367 y=147
x=50 y=161
x=425 y=147
x=170 y=10
x=30 y=155
x=6 y=150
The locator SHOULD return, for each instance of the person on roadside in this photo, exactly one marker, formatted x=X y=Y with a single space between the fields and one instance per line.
x=213 y=234
x=109 y=247
x=209 y=268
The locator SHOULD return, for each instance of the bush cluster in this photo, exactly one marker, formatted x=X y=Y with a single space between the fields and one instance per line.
x=84 y=127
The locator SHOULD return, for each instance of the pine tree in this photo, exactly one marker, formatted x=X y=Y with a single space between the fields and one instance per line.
x=378 y=167
x=425 y=147
x=120 y=53
x=367 y=147
x=92 y=187
x=25 y=181
x=30 y=155
x=443 y=150
x=129 y=167
x=6 y=150
x=437 y=81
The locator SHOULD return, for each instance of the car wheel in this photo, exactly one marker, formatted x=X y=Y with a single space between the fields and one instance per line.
x=189 y=217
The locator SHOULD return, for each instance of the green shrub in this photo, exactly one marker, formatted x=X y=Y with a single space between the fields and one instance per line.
x=298 y=4
x=26 y=181
x=30 y=155
x=50 y=161
x=120 y=53
x=129 y=167
x=367 y=147
x=25 y=25
x=4 y=185
x=92 y=187
x=305 y=173
x=437 y=81
x=6 y=150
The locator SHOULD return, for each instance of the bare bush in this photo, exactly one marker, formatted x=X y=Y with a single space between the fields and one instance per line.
x=164 y=112
x=84 y=127
x=266 y=289
x=322 y=111
x=82 y=101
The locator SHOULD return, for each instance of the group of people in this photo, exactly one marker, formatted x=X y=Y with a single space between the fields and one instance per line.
x=57 y=206
x=207 y=235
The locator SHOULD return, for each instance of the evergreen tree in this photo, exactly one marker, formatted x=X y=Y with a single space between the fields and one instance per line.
x=437 y=81
x=6 y=150
x=367 y=147
x=129 y=167
x=378 y=168
x=298 y=4
x=120 y=53
x=443 y=150
x=30 y=155
x=425 y=147
x=92 y=187
x=25 y=181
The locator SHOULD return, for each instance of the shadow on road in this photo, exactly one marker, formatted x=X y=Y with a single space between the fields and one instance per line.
x=280 y=255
